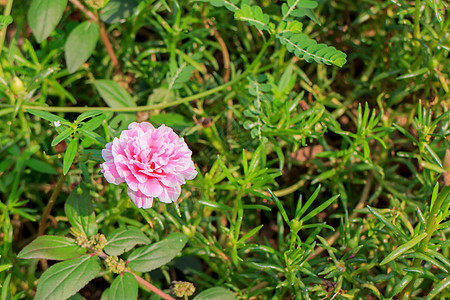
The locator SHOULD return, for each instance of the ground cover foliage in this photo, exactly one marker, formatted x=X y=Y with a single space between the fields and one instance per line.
x=319 y=129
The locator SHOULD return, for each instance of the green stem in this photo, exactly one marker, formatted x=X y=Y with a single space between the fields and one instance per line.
x=423 y=246
x=51 y=202
x=416 y=20
x=160 y=105
x=6 y=13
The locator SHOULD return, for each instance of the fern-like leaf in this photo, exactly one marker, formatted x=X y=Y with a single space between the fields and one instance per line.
x=299 y=8
x=229 y=4
x=304 y=47
x=254 y=16
x=293 y=26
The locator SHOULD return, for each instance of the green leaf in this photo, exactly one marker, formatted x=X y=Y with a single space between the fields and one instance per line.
x=79 y=211
x=80 y=44
x=216 y=293
x=44 y=15
x=64 y=279
x=318 y=209
x=229 y=4
x=88 y=114
x=391 y=226
x=52 y=247
x=70 y=154
x=124 y=287
x=62 y=136
x=400 y=286
x=254 y=16
x=123 y=239
x=441 y=286
x=308 y=203
x=113 y=94
x=93 y=123
x=173 y=120
x=305 y=47
x=117 y=11
x=403 y=248
x=47 y=116
x=148 y=258
x=40 y=166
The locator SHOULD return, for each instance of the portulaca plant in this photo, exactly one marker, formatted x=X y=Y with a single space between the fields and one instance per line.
x=153 y=163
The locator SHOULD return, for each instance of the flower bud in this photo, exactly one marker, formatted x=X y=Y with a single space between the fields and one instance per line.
x=115 y=264
x=16 y=85
x=183 y=288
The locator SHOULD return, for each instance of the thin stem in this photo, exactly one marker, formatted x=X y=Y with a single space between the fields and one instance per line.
x=51 y=202
x=105 y=39
x=160 y=105
x=103 y=33
x=6 y=13
x=150 y=286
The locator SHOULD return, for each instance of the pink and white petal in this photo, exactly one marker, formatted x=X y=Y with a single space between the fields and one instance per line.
x=170 y=194
x=109 y=170
x=139 y=199
x=151 y=188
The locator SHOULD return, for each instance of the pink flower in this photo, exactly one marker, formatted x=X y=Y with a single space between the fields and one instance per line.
x=153 y=163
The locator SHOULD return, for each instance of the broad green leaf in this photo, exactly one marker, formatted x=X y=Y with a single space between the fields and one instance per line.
x=216 y=293
x=69 y=155
x=52 y=247
x=117 y=11
x=40 y=166
x=44 y=15
x=124 y=287
x=148 y=258
x=47 y=116
x=64 y=279
x=403 y=248
x=80 y=44
x=173 y=120
x=123 y=239
x=80 y=212
x=113 y=94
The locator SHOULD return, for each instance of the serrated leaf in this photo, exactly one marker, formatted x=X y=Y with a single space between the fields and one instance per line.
x=117 y=11
x=43 y=16
x=123 y=239
x=124 y=287
x=64 y=279
x=79 y=211
x=148 y=258
x=80 y=44
x=114 y=94
x=304 y=47
x=216 y=293
x=254 y=16
x=52 y=247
